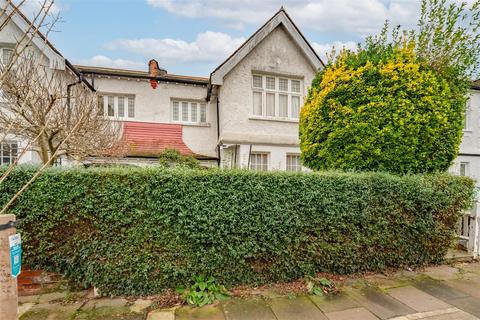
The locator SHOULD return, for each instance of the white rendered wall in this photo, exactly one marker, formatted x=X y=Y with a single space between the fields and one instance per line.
x=277 y=54
x=470 y=146
x=155 y=105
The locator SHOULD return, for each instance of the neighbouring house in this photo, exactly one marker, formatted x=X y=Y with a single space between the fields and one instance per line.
x=244 y=115
x=19 y=33
x=468 y=160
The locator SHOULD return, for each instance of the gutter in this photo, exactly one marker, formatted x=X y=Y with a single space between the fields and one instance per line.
x=134 y=76
x=218 y=131
x=469 y=154
x=69 y=86
x=79 y=75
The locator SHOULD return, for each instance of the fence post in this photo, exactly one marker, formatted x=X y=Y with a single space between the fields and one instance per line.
x=8 y=284
x=474 y=241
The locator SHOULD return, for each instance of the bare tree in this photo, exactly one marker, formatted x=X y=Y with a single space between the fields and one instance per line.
x=48 y=106
x=42 y=19
x=57 y=111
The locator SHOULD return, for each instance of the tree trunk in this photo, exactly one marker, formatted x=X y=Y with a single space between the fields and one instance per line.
x=43 y=151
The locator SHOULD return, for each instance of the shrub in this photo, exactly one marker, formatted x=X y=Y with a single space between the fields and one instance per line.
x=134 y=231
x=173 y=158
x=204 y=290
x=381 y=109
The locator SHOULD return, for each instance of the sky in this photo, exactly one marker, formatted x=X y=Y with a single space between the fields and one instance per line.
x=192 y=37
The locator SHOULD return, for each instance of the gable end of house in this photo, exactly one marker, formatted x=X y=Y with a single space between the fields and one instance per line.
x=280 y=18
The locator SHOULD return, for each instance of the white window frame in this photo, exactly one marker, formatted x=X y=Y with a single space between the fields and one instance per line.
x=127 y=115
x=1 y=53
x=293 y=167
x=201 y=108
x=466 y=170
x=277 y=92
x=12 y=157
x=467 y=117
x=262 y=166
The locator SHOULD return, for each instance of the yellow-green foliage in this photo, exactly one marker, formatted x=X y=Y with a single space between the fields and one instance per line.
x=381 y=110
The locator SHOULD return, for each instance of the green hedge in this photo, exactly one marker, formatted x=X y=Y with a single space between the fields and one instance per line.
x=139 y=231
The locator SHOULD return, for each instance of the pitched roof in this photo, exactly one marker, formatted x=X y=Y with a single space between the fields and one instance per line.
x=281 y=17
x=147 y=139
x=88 y=70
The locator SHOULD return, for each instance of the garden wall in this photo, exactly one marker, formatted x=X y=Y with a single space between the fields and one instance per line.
x=139 y=231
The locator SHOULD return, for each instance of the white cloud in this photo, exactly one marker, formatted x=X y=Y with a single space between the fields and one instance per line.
x=32 y=7
x=354 y=16
x=206 y=48
x=324 y=49
x=103 y=61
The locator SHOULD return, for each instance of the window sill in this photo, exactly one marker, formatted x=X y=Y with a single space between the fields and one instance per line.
x=276 y=119
x=121 y=118
x=205 y=125
x=467 y=130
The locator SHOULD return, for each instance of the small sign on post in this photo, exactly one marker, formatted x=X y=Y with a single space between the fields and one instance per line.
x=15 y=242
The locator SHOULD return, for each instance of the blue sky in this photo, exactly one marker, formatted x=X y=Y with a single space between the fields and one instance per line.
x=192 y=37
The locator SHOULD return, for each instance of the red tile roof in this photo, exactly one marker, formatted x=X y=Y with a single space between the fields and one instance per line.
x=149 y=139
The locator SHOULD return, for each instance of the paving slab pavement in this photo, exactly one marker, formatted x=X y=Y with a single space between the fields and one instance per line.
x=439 y=289
x=379 y=303
x=470 y=286
x=252 y=309
x=300 y=308
x=468 y=304
x=350 y=314
x=446 y=314
x=417 y=299
x=211 y=312
x=161 y=315
x=444 y=272
x=446 y=293
x=334 y=303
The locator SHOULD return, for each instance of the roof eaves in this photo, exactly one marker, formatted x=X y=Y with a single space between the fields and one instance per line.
x=304 y=38
x=142 y=75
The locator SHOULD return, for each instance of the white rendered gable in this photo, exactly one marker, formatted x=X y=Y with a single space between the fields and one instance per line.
x=55 y=60
x=280 y=18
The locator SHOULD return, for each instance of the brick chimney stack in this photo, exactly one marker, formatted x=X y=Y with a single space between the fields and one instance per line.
x=154 y=71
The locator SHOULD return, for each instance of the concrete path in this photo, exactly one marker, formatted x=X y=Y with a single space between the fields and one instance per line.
x=437 y=293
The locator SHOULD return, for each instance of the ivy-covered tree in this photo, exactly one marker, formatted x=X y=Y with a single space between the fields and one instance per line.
x=397 y=103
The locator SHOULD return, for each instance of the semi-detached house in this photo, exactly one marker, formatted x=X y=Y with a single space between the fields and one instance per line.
x=244 y=115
